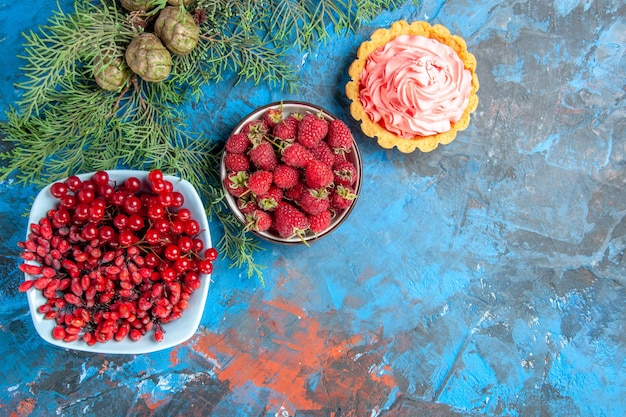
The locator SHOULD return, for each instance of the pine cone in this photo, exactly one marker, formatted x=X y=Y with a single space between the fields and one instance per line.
x=111 y=73
x=138 y=5
x=177 y=30
x=177 y=2
x=148 y=58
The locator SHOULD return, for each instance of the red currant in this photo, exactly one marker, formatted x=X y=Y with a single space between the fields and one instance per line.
x=211 y=254
x=172 y=252
x=155 y=175
x=58 y=189
x=101 y=177
x=132 y=184
x=184 y=214
x=73 y=183
x=205 y=266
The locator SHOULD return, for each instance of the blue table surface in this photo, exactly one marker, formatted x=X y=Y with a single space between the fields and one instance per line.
x=483 y=278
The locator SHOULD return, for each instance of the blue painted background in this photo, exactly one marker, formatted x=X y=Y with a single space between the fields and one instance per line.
x=483 y=278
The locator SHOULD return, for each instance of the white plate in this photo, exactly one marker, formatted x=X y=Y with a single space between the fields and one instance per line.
x=177 y=331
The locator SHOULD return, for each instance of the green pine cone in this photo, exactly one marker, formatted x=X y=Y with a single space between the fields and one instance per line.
x=138 y=5
x=147 y=57
x=111 y=73
x=177 y=2
x=177 y=30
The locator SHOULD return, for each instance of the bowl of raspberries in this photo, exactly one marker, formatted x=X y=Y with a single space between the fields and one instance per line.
x=291 y=172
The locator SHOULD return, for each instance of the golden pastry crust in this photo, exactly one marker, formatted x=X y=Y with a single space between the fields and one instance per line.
x=381 y=37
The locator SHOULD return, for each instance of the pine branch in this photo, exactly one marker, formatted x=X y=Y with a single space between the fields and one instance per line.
x=65 y=124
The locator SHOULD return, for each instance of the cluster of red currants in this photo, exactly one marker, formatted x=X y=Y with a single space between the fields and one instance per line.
x=115 y=260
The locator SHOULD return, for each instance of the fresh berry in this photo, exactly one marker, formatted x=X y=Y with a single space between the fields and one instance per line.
x=236 y=162
x=324 y=153
x=287 y=129
x=320 y=222
x=314 y=201
x=345 y=173
x=296 y=155
x=273 y=116
x=237 y=143
x=339 y=136
x=258 y=221
x=295 y=193
x=318 y=175
x=269 y=201
x=256 y=130
x=122 y=273
x=247 y=203
x=235 y=183
x=342 y=197
x=311 y=130
x=289 y=221
x=263 y=156
x=260 y=182
x=285 y=176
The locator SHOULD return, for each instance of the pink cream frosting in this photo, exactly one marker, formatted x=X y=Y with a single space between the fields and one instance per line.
x=415 y=86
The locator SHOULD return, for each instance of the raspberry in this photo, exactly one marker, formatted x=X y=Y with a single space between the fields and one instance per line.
x=318 y=175
x=290 y=221
x=342 y=197
x=287 y=129
x=258 y=220
x=296 y=155
x=324 y=153
x=314 y=201
x=345 y=173
x=246 y=204
x=263 y=156
x=235 y=183
x=311 y=130
x=269 y=201
x=272 y=117
x=255 y=130
x=339 y=136
x=236 y=162
x=320 y=222
x=295 y=193
x=260 y=181
x=285 y=176
x=237 y=143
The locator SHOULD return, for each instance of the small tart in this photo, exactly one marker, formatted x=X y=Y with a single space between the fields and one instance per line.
x=376 y=129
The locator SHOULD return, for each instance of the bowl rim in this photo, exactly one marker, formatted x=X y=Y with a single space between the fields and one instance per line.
x=197 y=301
x=337 y=221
